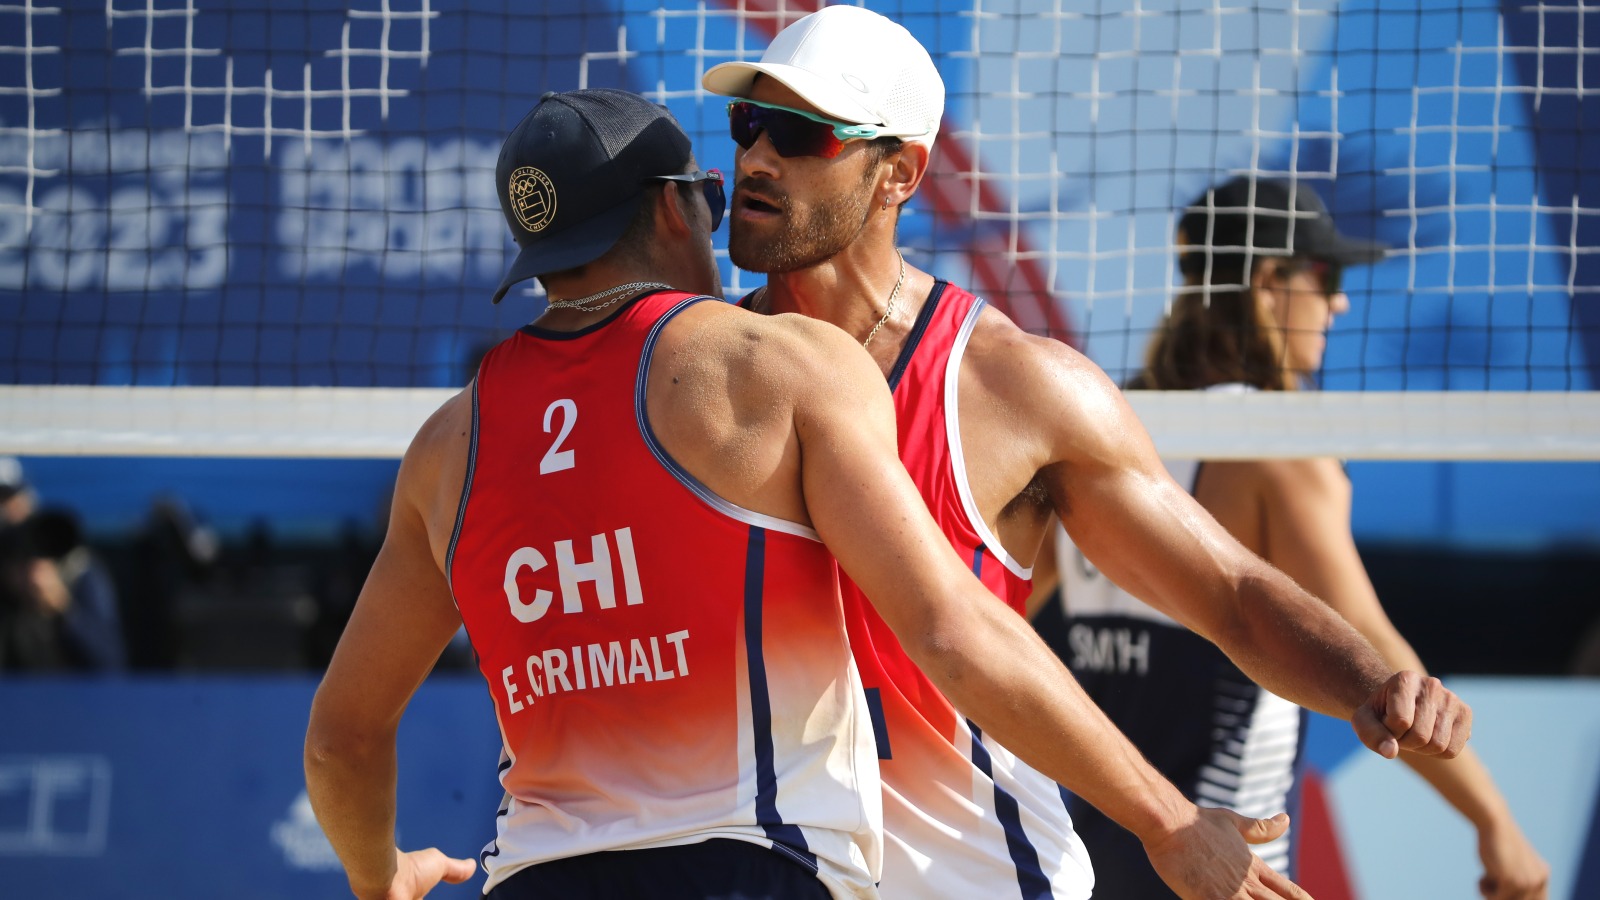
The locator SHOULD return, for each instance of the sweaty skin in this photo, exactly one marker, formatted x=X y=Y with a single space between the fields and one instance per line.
x=1047 y=435
x=783 y=416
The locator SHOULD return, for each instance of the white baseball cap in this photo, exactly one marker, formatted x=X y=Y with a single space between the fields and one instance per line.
x=851 y=64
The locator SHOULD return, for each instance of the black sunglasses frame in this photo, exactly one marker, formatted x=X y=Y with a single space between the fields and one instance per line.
x=1329 y=272
x=792 y=132
x=711 y=186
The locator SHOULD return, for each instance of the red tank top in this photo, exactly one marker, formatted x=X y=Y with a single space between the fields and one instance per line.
x=962 y=815
x=665 y=666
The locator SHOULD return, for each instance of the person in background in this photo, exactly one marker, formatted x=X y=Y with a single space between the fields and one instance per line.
x=61 y=604
x=29 y=638
x=17 y=497
x=1262 y=264
x=77 y=591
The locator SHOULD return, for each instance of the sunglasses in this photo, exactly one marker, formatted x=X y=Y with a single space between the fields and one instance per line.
x=1329 y=274
x=710 y=182
x=792 y=132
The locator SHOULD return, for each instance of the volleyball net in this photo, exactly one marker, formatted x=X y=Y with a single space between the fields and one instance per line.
x=272 y=229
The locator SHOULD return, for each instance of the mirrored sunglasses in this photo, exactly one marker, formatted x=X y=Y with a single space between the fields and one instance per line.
x=792 y=132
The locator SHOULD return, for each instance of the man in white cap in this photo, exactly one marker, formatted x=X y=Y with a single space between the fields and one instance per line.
x=1001 y=431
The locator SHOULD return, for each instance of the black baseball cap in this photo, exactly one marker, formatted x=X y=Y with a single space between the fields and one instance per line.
x=573 y=172
x=1265 y=217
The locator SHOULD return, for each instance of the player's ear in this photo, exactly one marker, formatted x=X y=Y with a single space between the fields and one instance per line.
x=906 y=167
x=672 y=213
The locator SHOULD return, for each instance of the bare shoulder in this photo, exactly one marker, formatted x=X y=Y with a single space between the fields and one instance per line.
x=1047 y=387
x=1317 y=477
x=788 y=354
x=434 y=466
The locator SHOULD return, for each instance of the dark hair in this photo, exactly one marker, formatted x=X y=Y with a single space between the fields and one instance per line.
x=54 y=532
x=1218 y=334
x=879 y=148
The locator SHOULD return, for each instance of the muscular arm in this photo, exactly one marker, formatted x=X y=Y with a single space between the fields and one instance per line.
x=983 y=656
x=402 y=621
x=1307 y=534
x=1146 y=533
x=1046 y=575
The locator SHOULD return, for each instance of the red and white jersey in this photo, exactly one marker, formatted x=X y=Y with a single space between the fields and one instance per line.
x=666 y=667
x=963 y=817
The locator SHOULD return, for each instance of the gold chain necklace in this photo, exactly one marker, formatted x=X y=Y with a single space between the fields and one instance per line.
x=893 y=296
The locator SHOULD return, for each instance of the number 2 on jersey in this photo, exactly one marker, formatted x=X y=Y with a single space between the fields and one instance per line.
x=555 y=459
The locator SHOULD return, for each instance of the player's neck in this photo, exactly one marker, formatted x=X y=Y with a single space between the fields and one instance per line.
x=600 y=293
x=852 y=290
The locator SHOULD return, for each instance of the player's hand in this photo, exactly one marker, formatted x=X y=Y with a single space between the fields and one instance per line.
x=1512 y=869
x=420 y=871
x=1414 y=712
x=1209 y=859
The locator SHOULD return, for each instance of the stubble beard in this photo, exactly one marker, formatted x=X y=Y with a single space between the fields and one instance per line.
x=804 y=239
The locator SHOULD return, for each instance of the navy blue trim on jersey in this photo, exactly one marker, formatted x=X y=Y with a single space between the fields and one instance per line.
x=466 y=490
x=915 y=337
x=533 y=330
x=639 y=400
x=785 y=836
x=493 y=847
x=880 y=724
x=641 y=413
x=1030 y=874
x=977 y=561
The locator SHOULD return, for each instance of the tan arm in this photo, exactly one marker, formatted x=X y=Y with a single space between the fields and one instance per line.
x=1046 y=575
x=1307 y=530
x=984 y=657
x=1143 y=531
x=402 y=621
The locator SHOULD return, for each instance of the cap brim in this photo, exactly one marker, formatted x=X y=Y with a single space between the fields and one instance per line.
x=577 y=245
x=1349 y=251
x=734 y=79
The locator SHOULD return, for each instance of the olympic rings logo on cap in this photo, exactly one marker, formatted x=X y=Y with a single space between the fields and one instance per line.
x=533 y=198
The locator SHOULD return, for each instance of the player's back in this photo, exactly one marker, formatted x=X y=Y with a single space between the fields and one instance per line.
x=666 y=666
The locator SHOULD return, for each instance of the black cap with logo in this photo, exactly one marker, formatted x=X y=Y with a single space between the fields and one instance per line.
x=1264 y=217
x=572 y=173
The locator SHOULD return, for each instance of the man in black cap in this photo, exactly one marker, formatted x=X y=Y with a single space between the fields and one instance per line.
x=670 y=466
x=1262 y=264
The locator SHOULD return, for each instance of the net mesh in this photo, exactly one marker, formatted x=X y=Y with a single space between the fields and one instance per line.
x=237 y=195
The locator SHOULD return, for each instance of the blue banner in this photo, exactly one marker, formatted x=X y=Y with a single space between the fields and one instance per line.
x=195 y=789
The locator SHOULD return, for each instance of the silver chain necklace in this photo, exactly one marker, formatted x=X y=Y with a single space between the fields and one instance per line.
x=593 y=302
x=893 y=296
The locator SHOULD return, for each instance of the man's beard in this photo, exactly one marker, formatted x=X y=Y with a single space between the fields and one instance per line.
x=805 y=239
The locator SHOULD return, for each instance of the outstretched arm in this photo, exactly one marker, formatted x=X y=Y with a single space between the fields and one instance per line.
x=402 y=621
x=1147 y=534
x=1307 y=514
x=984 y=657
